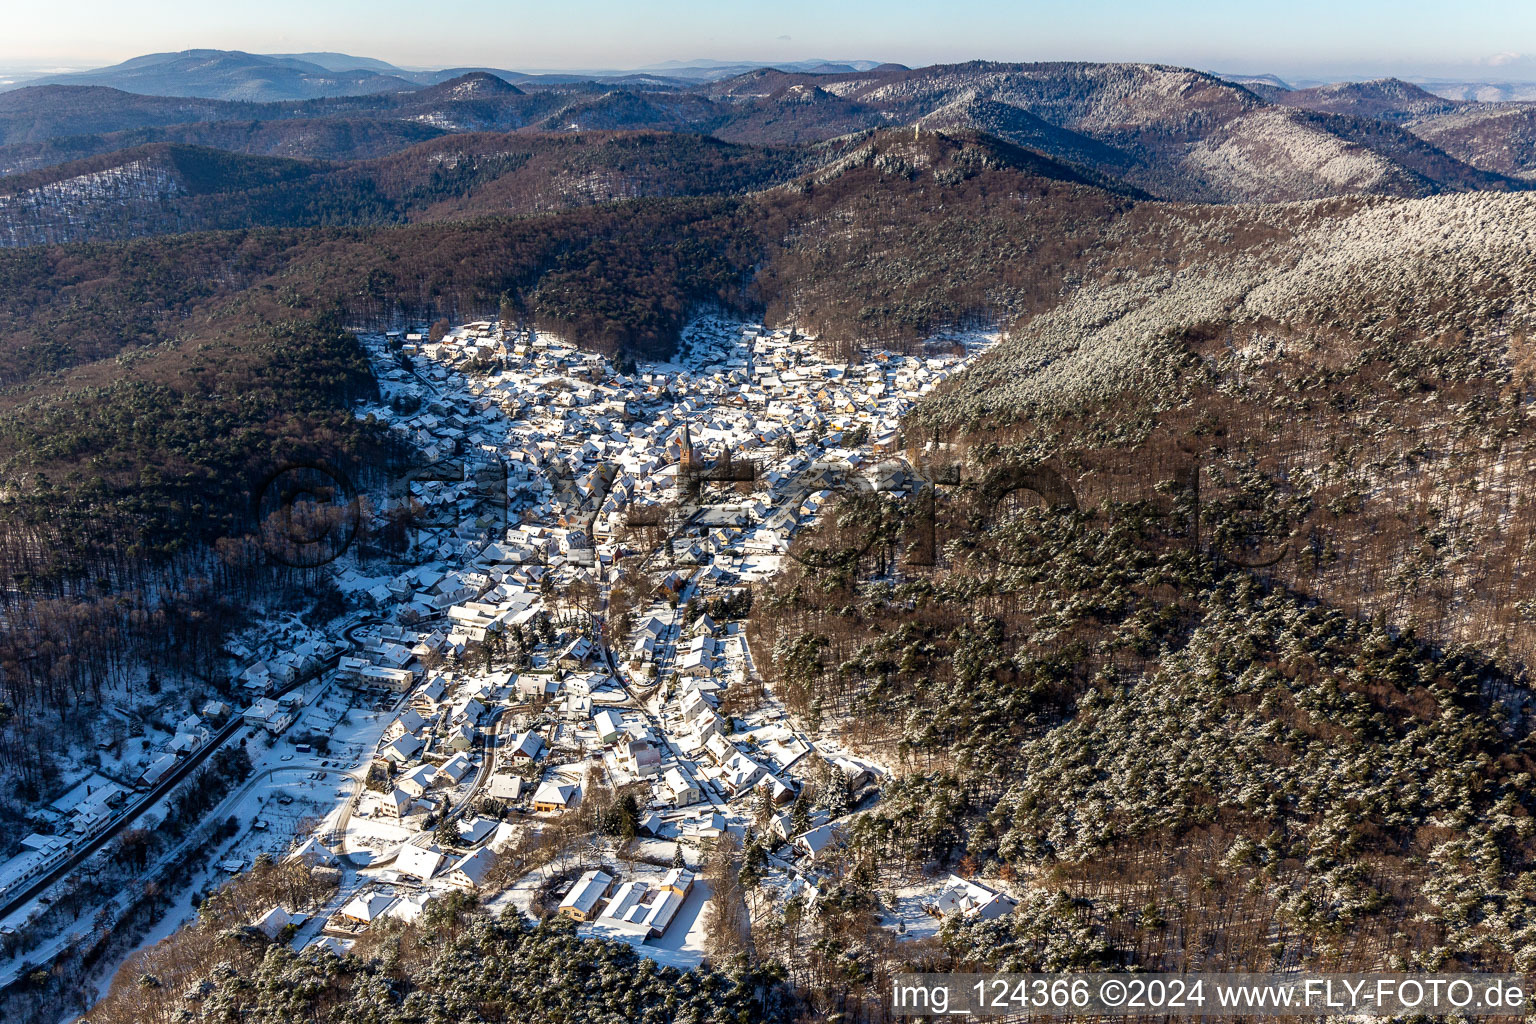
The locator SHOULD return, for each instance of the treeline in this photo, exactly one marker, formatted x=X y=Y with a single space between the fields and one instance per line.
x=911 y=233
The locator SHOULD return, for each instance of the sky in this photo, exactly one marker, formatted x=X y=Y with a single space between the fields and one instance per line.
x=1492 y=40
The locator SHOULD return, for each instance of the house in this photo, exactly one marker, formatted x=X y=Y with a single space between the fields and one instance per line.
x=637 y=909
x=678 y=880
x=778 y=791
x=468 y=710
x=697 y=663
x=397 y=679
x=680 y=789
x=644 y=650
x=552 y=796
x=581 y=902
x=185 y=742
x=537 y=686
x=403 y=749
x=267 y=714
x=330 y=944
x=420 y=862
x=455 y=768
x=640 y=758
x=418 y=780
x=608 y=726
x=473 y=830
x=461 y=737
x=506 y=786
x=711 y=826
x=272 y=923
x=408 y=908
x=471 y=870
x=366 y=907
x=576 y=654
x=396 y=803
x=720 y=748
x=740 y=773
x=525 y=746
x=857 y=774
x=408 y=722
x=819 y=840
x=970 y=900
x=315 y=854
x=780 y=826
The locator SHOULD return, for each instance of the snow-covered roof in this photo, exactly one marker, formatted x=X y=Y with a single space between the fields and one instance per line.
x=420 y=861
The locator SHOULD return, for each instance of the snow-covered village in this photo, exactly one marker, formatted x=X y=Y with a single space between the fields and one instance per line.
x=549 y=702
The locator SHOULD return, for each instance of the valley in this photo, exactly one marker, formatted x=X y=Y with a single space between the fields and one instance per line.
x=707 y=542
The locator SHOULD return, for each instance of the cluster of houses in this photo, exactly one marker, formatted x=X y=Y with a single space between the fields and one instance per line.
x=547 y=465
x=586 y=452
x=425 y=753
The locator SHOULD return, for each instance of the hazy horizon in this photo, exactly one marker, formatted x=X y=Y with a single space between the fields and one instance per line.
x=1314 y=41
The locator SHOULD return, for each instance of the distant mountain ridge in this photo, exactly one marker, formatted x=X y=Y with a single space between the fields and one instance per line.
x=265 y=78
x=232 y=75
x=1383 y=98
x=1167 y=132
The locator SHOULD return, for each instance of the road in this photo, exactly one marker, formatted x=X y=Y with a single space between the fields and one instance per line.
x=488 y=763
x=136 y=810
x=337 y=838
x=45 y=953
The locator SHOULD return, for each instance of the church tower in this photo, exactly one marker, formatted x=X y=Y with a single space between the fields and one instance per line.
x=687 y=458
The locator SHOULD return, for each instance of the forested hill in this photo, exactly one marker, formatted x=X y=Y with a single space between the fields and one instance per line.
x=1174 y=133
x=1218 y=640
x=166 y=188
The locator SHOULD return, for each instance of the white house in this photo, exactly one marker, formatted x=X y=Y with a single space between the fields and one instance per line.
x=455 y=768
x=608 y=726
x=471 y=870
x=640 y=758
x=525 y=746
x=418 y=780
x=408 y=722
x=272 y=922
x=366 y=907
x=403 y=749
x=553 y=796
x=680 y=789
x=419 y=861
x=963 y=898
x=506 y=786
x=819 y=840
x=396 y=803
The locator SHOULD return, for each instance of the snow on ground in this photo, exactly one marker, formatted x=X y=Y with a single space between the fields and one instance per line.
x=543 y=412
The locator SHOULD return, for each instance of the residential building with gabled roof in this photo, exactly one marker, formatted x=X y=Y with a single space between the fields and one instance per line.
x=421 y=862
x=581 y=903
x=555 y=796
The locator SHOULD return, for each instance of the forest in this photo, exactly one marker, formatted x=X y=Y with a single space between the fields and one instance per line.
x=1211 y=628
